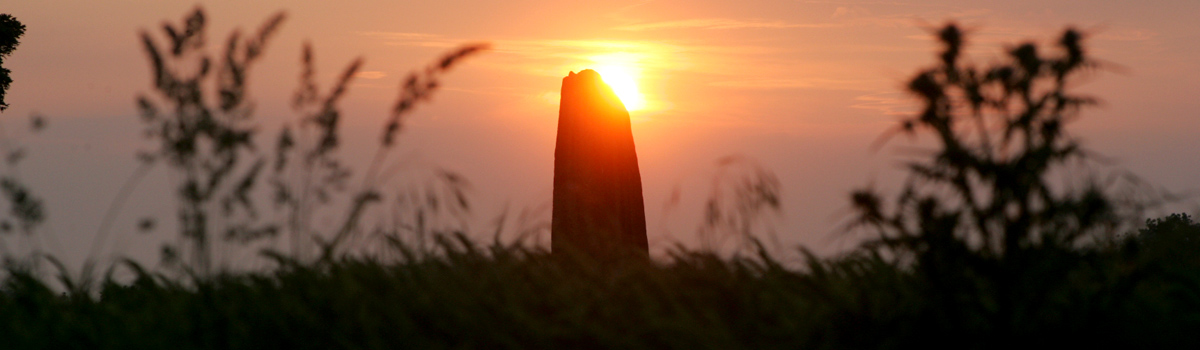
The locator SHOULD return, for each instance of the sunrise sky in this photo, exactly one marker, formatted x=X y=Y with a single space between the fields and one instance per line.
x=802 y=87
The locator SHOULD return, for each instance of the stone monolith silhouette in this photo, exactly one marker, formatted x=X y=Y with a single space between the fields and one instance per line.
x=598 y=208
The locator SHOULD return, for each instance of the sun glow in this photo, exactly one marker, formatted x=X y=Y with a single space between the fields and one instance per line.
x=620 y=71
x=624 y=83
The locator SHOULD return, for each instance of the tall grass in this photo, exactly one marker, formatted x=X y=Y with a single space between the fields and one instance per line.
x=211 y=146
x=512 y=297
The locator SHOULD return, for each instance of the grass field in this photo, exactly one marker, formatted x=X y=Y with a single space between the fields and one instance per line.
x=474 y=297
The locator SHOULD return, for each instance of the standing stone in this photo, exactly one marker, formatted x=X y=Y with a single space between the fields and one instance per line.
x=598 y=207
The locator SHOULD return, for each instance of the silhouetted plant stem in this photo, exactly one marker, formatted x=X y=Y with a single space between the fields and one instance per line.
x=114 y=208
x=208 y=144
x=417 y=87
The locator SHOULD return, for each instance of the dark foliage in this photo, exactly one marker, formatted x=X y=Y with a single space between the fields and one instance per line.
x=1003 y=254
x=10 y=35
x=507 y=297
x=469 y=297
x=25 y=209
x=1173 y=240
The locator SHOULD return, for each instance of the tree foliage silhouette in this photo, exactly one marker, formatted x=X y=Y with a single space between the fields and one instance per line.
x=1173 y=239
x=25 y=210
x=10 y=35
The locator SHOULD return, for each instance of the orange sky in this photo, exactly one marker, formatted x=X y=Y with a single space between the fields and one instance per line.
x=804 y=87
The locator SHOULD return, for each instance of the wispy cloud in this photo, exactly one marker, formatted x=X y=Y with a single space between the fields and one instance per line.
x=370 y=74
x=890 y=103
x=764 y=84
x=720 y=23
x=785 y=84
x=520 y=46
x=400 y=35
x=853 y=11
x=413 y=38
x=1127 y=34
x=537 y=53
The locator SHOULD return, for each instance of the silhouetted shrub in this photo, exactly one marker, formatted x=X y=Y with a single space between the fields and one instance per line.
x=1172 y=240
x=1000 y=248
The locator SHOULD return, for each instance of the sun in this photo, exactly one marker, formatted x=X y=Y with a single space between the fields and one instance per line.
x=623 y=81
x=620 y=70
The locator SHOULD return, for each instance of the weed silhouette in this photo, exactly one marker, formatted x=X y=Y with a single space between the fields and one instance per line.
x=210 y=144
x=979 y=219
